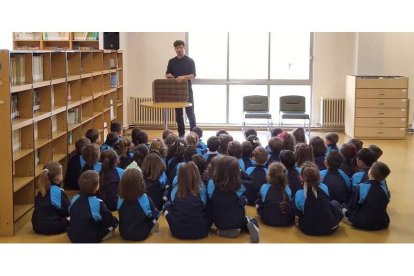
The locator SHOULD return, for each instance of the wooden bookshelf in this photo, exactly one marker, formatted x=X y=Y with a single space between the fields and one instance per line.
x=55 y=96
x=56 y=41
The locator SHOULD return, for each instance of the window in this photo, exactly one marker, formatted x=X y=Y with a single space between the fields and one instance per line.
x=233 y=65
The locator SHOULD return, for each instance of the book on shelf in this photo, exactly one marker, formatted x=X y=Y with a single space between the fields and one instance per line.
x=69 y=95
x=52 y=95
x=16 y=140
x=86 y=36
x=26 y=36
x=70 y=138
x=37 y=68
x=56 y=36
x=54 y=124
x=36 y=100
x=73 y=116
x=14 y=106
x=37 y=159
x=111 y=109
x=17 y=70
x=112 y=63
x=114 y=80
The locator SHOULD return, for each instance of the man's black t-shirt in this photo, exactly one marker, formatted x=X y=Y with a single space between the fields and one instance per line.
x=181 y=66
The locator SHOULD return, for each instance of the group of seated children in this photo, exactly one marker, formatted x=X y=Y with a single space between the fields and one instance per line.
x=196 y=184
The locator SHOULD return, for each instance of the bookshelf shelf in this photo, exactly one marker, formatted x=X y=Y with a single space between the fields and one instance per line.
x=52 y=98
x=20 y=182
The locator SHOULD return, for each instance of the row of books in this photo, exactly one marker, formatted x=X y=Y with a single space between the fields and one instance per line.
x=27 y=36
x=56 y=36
x=18 y=70
x=74 y=116
x=114 y=80
x=14 y=106
x=86 y=36
x=37 y=68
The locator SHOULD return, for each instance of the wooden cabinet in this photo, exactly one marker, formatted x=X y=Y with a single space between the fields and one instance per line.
x=48 y=100
x=376 y=107
x=56 y=40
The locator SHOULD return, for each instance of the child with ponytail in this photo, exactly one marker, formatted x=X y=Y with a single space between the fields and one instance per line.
x=317 y=215
x=50 y=215
x=274 y=203
x=109 y=178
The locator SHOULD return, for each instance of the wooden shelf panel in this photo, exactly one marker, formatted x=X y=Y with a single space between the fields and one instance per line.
x=41 y=142
x=97 y=73
x=38 y=116
x=20 y=182
x=57 y=81
x=38 y=169
x=22 y=87
x=58 y=156
x=96 y=114
x=72 y=104
x=86 y=75
x=73 y=77
x=58 y=109
x=86 y=99
x=21 y=209
x=57 y=134
x=21 y=153
x=41 y=84
x=72 y=126
x=21 y=123
x=71 y=148
x=86 y=119
x=109 y=91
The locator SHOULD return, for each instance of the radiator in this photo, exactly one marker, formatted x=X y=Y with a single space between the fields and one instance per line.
x=332 y=112
x=145 y=116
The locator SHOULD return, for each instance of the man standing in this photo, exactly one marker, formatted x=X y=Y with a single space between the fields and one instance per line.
x=182 y=68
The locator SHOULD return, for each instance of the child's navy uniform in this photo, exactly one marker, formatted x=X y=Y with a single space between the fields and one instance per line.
x=368 y=206
x=155 y=190
x=227 y=208
x=137 y=218
x=50 y=211
x=319 y=161
x=73 y=171
x=109 y=194
x=338 y=183
x=330 y=148
x=124 y=161
x=359 y=177
x=105 y=147
x=317 y=216
x=269 y=206
x=210 y=155
x=246 y=163
x=258 y=177
x=90 y=220
x=273 y=157
x=348 y=168
x=294 y=181
x=188 y=217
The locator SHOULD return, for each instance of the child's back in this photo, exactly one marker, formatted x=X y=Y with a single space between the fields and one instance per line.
x=257 y=175
x=287 y=158
x=75 y=165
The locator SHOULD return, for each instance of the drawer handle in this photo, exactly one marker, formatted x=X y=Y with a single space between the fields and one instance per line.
x=381 y=94
x=380 y=123
x=380 y=113
x=380 y=132
x=380 y=103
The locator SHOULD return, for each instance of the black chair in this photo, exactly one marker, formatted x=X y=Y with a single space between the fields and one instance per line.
x=256 y=107
x=293 y=107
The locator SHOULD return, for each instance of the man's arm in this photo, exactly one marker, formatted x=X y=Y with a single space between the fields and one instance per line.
x=185 y=77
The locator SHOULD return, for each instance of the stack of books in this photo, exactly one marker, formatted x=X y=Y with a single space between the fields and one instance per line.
x=56 y=36
x=36 y=100
x=14 y=106
x=37 y=68
x=17 y=70
x=114 y=80
x=73 y=116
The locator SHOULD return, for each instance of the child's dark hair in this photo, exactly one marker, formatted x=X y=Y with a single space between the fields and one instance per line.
x=200 y=162
x=332 y=138
x=234 y=149
x=224 y=141
x=303 y=152
x=358 y=143
x=158 y=146
x=289 y=142
x=277 y=177
x=192 y=139
x=260 y=155
x=92 y=134
x=249 y=132
x=334 y=159
x=178 y=149
x=367 y=156
x=221 y=131
x=349 y=151
x=122 y=147
x=287 y=158
x=81 y=143
x=310 y=174
x=246 y=149
x=213 y=143
x=165 y=133
x=134 y=136
x=275 y=144
x=140 y=152
x=188 y=180
x=89 y=182
x=109 y=160
x=91 y=155
x=51 y=171
x=198 y=130
x=275 y=131
x=208 y=173
x=116 y=127
x=132 y=185
x=152 y=166
x=254 y=140
x=299 y=134
x=376 y=150
x=170 y=140
x=318 y=146
x=140 y=138
x=179 y=43
x=189 y=152
x=379 y=171
x=111 y=139
x=226 y=174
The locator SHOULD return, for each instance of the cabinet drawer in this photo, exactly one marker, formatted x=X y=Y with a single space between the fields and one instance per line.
x=379 y=93
x=381 y=83
x=380 y=112
x=386 y=132
x=381 y=122
x=386 y=103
